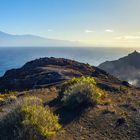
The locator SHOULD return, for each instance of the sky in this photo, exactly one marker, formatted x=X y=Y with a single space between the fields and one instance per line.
x=111 y=23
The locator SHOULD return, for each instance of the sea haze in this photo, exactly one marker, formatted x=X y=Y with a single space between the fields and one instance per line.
x=15 y=57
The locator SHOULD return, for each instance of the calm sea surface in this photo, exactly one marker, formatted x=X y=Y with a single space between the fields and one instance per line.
x=15 y=57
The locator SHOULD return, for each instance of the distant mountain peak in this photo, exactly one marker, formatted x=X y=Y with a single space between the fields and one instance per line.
x=3 y=33
x=7 y=39
x=134 y=53
x=125 y=68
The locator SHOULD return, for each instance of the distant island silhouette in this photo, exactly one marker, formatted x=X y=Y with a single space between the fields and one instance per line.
x=7 y=39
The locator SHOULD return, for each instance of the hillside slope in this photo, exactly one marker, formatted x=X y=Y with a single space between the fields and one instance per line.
x=126 y=68
x=115 y=117
x=45 y=72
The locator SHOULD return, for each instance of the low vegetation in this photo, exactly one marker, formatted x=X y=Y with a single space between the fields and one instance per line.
x=81 y=90
x=30 y=118
x=7 y=98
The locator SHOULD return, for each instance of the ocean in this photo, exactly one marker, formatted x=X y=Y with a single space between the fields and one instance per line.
x=15 y=57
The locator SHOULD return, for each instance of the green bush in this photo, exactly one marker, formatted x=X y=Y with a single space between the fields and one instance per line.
x=76 y=80
x=30 y=119
x=81 y=90
x=73 y=81
x=30 y=101
x=45 y=122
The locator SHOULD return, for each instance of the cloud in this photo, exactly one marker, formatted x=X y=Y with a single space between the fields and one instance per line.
x=131 y=37
x=88 y=31
x=127 y=37
x=109 y=31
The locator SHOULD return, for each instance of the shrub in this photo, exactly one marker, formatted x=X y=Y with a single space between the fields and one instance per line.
x=10 y=99
x=10 y=125
x=73 y=81
x=76 y=80
x=2 y=95
x=7 y=98
x=82 y=90
x=45 y=122
x=12 y=92
x=123 y=89
x=30 y=119
x=30 y=101
x=1 y=99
